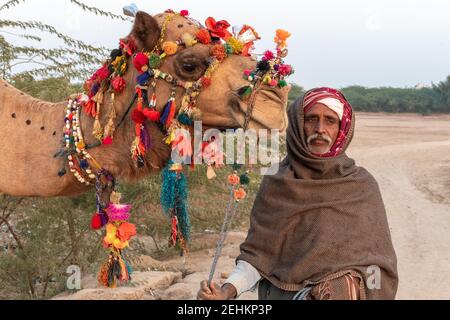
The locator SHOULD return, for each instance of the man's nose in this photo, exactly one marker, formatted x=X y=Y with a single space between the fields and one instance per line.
x=320 y=127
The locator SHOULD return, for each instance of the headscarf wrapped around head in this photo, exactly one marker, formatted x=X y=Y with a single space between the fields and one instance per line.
x=336 y=102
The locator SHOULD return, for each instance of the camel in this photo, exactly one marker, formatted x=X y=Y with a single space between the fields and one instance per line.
x=31 y=129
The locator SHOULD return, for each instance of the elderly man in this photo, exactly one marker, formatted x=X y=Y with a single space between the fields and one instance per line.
x=318 y=227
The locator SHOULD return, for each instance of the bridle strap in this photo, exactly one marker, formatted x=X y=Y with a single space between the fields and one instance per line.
x=127 y=111
x=250 y=107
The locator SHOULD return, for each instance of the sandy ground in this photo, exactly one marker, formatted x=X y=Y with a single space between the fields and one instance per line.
x=409 y=155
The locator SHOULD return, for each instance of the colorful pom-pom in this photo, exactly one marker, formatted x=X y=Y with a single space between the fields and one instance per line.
x=188 y=39
x=219 y=52
x=239 y=194
x=118 y=212
x=244 y=179
x=268 y=55
x=282 y=83
x=154 y=61
x=273 y=83
x=233 y=179
x=170 y=48
x=118 y=84
x=137 y=116
x=101 y=74
x=203 y=36
x=140 y=62
x=152 y=114
x=236 y=45
x=184 y=13
x=285 y=70
x=263 y=66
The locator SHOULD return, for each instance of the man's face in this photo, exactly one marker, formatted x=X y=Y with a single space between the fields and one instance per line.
x=321 y=128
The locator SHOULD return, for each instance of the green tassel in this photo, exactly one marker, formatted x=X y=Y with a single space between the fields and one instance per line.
x=245 y=92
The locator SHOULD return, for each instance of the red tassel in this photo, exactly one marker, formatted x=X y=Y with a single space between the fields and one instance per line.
x=152 y=114
x=137 y=116
x=173 y=238
x=96 y=222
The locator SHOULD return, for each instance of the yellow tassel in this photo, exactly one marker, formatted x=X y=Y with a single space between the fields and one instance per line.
x=97 y=130
x=115 y=197
x=210 y=173
x=110 y=127
x=171 y=137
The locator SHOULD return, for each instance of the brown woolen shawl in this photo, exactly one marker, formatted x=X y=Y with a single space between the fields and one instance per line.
x=318 y=216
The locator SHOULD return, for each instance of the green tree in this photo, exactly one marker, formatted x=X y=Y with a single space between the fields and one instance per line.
x=74 y=59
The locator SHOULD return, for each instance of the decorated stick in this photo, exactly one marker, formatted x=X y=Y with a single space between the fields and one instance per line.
x=223 y=233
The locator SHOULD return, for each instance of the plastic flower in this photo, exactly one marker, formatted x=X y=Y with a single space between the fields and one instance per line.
x=218 y=29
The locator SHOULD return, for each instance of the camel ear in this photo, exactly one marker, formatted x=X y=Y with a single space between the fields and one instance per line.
x=145 y=31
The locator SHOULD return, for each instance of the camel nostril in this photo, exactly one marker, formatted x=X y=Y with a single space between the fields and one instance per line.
x=189 y=67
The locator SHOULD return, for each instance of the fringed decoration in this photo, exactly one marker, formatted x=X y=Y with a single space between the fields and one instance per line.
x=152 y=114
x=174 y=193
x=110 y=126
x=146 y=139
x=168 y=113
x=97 y=130
x=183 y=118
x=116 y=270
x=142 y=141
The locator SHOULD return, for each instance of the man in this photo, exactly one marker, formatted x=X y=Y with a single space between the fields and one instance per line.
x=318 y=227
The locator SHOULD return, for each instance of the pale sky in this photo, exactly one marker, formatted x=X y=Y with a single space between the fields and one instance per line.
x=334 y=43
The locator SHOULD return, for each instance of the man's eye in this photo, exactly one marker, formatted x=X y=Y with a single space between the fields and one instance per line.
x=331 y=121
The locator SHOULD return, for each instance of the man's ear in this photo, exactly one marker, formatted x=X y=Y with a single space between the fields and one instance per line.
x=145 y=31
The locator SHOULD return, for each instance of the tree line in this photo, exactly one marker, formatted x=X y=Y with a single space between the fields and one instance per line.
x=427 y=100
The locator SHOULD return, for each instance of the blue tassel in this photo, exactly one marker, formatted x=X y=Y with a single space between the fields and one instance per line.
x=174 y=195
x=143 y=78
x=84 y=164
x=165 y=114
x=128 y=266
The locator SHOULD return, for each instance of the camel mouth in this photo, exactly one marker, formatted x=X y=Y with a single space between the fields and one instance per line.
x=269 y=110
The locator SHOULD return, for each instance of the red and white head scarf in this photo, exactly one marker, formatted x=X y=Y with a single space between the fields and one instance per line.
x=336 y=101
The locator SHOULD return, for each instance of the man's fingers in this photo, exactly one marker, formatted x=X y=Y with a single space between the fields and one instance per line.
x=204 y=287
x=215 y=287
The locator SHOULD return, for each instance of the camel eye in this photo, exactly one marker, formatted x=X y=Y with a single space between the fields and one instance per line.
x=189 y=67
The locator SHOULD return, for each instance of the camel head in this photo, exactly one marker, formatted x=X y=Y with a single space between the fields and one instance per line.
x=220 y=105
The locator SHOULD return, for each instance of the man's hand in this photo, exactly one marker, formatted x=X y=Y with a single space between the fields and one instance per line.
x=215 y=292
